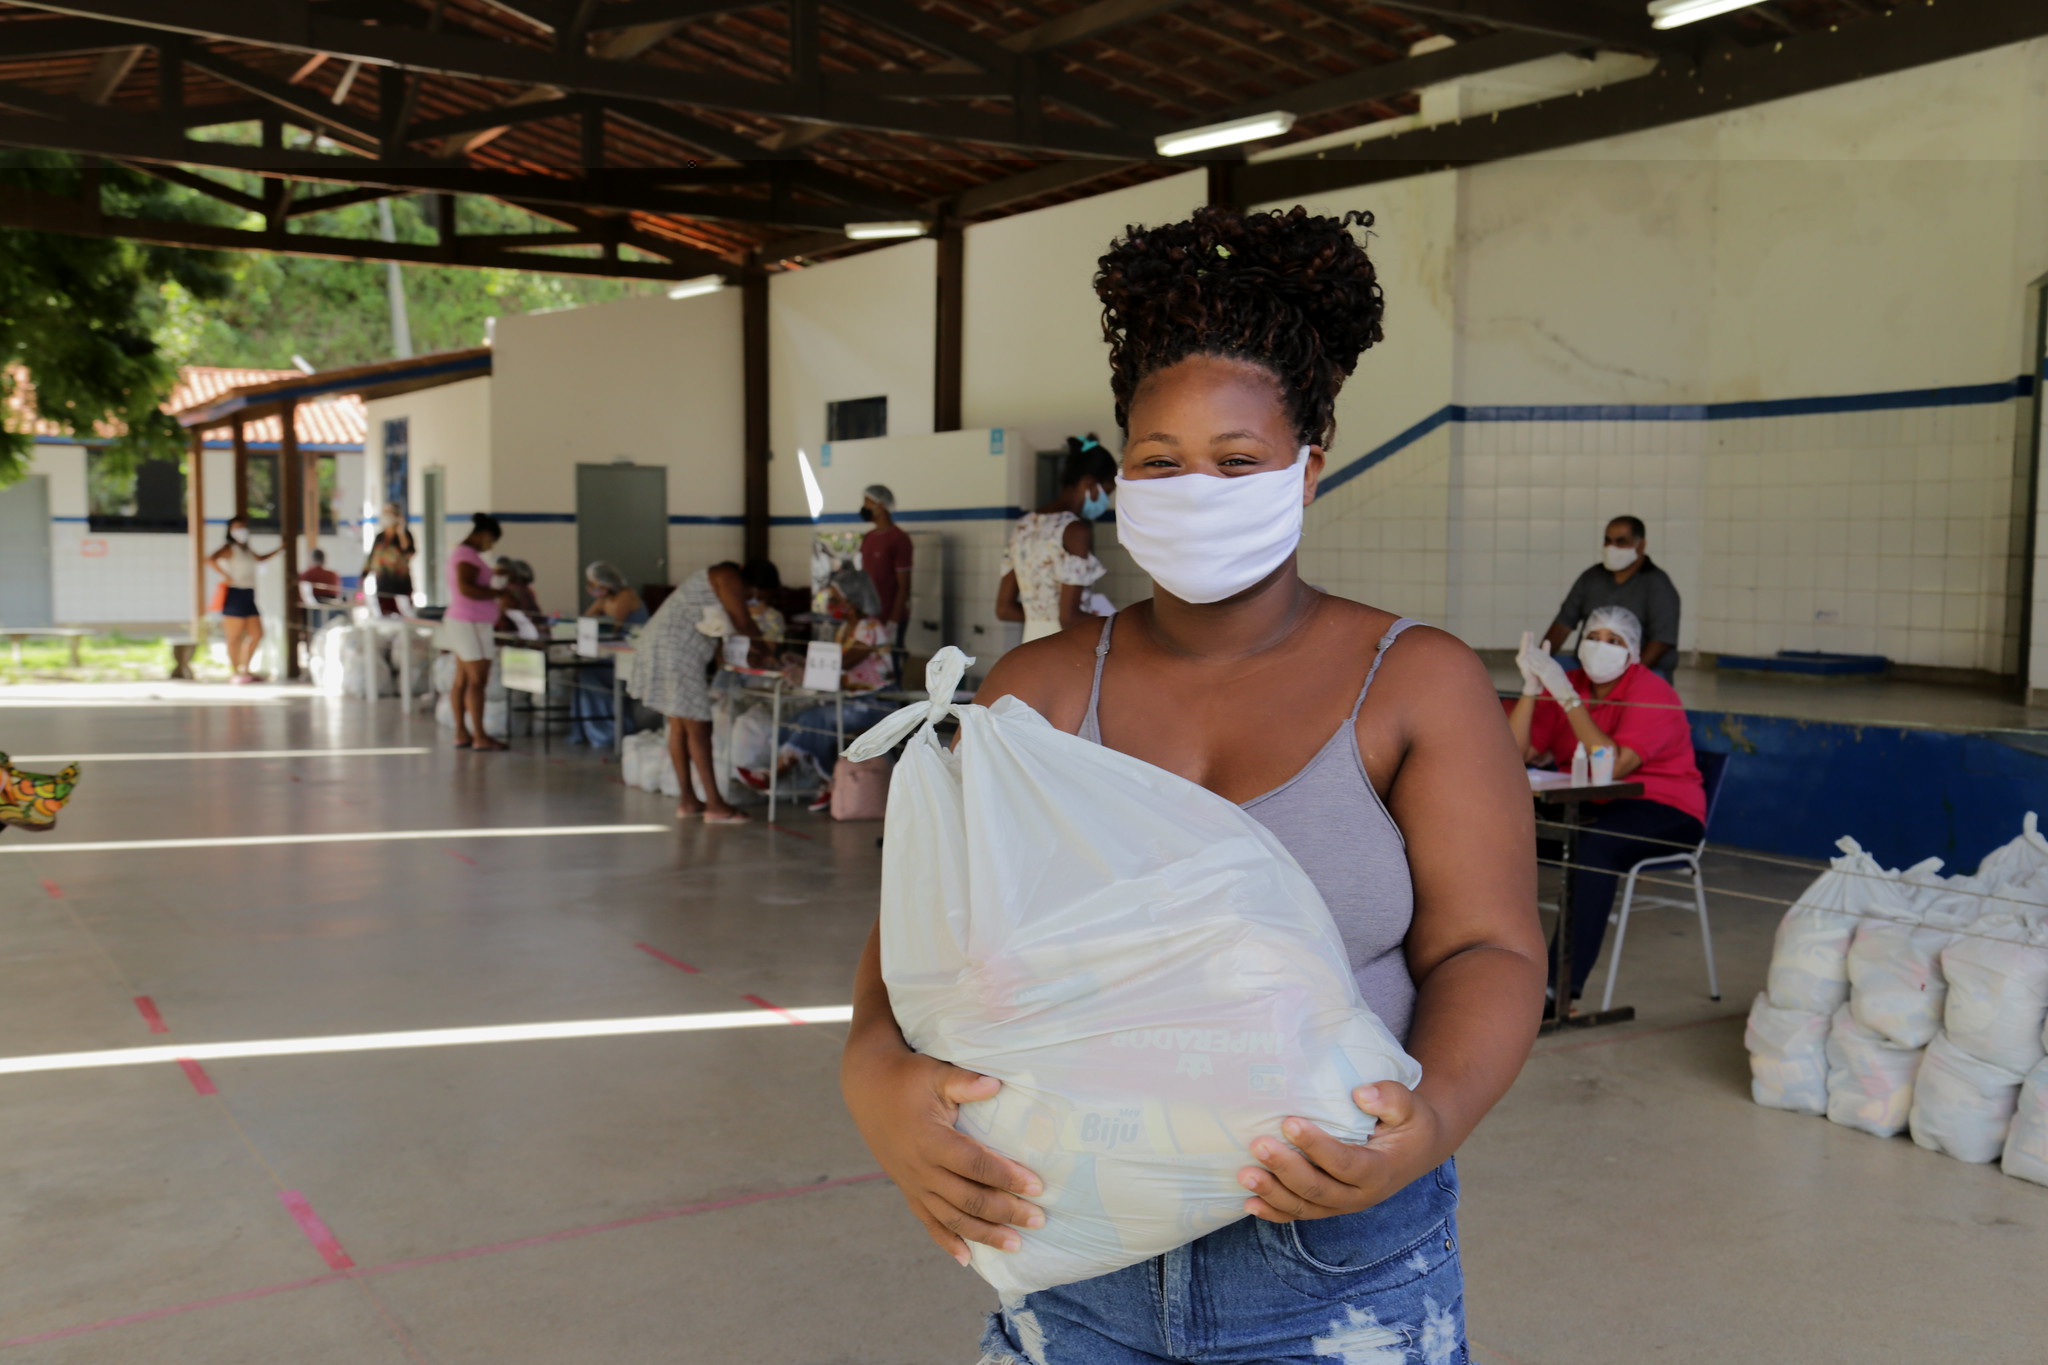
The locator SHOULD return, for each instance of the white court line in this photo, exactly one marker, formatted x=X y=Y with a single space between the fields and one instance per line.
x=202 y=757
x=374 y=836
x=440 y=1037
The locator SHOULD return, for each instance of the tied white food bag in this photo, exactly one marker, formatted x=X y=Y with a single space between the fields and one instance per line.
x=1146 y=969
x=1810 y=959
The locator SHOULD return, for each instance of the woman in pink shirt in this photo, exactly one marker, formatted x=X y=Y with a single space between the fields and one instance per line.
x=468 y=630
x=1612 y=699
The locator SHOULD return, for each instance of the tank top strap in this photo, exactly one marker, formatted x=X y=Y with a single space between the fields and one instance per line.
x=1378 y=657
x=1091 y=728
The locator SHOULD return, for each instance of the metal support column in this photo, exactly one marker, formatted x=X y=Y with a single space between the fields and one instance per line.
x=754 y=359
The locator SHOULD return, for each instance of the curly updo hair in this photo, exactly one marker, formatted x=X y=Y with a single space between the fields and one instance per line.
x=1291 y=292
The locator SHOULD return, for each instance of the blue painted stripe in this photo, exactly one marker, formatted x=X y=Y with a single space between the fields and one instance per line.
x=1386 y=449
x=1960 y=395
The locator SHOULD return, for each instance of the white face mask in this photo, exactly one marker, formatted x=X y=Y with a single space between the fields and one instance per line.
x=1203 y=537
x=1603 y=660
x=499 y=581
x=389 y=521
x=1617 y=557
x=238 y=534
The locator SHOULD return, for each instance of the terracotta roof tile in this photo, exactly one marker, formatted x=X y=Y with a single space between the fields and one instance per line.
x=340 y=420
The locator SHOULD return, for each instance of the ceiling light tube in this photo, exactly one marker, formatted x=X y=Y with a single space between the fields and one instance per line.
x=869 y=232
x=1672 y=13
x=1214 y=135
x=814 y=497
x=690 y=289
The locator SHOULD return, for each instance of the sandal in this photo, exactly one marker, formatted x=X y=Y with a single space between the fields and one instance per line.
x=731 y=817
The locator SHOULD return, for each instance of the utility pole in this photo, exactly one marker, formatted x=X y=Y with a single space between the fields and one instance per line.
x=394 y=286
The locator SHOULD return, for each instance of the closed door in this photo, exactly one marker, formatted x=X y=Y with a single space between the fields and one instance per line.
x=25 y=552
x=433 y=535
x=622 y=518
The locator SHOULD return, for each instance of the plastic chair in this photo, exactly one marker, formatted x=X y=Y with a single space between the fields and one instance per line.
x=1713 y=767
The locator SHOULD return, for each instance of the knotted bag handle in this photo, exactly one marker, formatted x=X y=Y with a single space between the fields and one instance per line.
x=941 y=676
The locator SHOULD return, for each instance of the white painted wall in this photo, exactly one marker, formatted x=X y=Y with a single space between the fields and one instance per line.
x=1034 y=355
x=856 y=328
x=145 y=577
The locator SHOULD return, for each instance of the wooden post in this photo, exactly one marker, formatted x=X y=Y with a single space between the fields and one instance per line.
x=951 y=317
x=754 y=362
x=241 y=507
x=195 y=522
x=291 y=509
x=1223 y=183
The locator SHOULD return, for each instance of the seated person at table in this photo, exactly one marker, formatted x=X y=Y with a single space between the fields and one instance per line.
x=811 y=739
x=514 y=581
x=611 y=598
x=590 y=704
x=1625 y=577
x=1611 y=699
x=325 y=582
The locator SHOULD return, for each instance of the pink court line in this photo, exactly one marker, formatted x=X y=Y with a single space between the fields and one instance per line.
x=443 y=1258
x=317 y=1232
x=785 y=829
x=653 y=951
x=460 y=857
x=763 y=1004
x=55 y=891
x=150 y=1016
x=196 y=1074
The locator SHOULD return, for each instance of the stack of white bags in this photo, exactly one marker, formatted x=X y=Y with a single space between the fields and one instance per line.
x=1912 y=1002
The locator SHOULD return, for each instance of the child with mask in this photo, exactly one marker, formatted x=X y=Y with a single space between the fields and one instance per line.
x=1369 y=745
x=1612 y=699
x=1050 y=561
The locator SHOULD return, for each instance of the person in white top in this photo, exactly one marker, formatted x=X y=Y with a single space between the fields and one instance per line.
x=1051 y=559
x=236 y=562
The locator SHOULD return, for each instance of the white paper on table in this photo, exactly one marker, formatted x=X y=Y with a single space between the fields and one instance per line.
x=736 y=651
x=522 y=623
x=822 y=666
x=586 y=636
x=1543 y=780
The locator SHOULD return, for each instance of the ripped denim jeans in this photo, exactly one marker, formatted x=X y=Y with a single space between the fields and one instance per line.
x=1380 y=1287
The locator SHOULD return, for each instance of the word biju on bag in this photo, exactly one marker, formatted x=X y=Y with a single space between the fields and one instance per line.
x=1146 y=969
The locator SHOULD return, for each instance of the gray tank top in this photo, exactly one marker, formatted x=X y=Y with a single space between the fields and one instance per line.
x=1333 y=822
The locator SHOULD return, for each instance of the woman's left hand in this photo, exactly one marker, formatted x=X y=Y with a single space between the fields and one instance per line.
x=1321 y=1176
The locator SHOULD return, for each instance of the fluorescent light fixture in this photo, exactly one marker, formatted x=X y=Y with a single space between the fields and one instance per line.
x=1672 y=13
x=869 y=232
x=205 y=756
x=438 y=1037
x=1214 y=135
x=814 y=496
x=373 y=836
x=690 y=289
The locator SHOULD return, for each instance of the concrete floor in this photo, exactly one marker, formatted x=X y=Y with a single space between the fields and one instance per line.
x=700 y=1196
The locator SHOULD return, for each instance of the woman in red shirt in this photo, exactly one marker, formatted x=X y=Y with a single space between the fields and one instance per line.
x=1612 y=699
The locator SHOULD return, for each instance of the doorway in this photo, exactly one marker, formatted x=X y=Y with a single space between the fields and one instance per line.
x=25 y=552
x=433 y=533
x=622 y=518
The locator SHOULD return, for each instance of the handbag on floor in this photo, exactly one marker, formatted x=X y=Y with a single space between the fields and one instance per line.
x=860 y=788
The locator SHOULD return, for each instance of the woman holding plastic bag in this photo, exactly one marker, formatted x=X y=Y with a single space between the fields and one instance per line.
x=1370 y=752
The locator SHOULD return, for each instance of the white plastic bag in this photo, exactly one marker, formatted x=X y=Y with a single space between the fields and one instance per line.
x=1870 y=1079
x=1960 y=1105
x=1809 y=960
x=1788 y=1060
x=2023 y=859
x=1145 y=968
x=2026 y=1142
x=1998 y=989
x=1896 y=986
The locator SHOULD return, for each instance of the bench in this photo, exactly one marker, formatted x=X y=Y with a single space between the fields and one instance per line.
x=182 y=649
x=74 y=634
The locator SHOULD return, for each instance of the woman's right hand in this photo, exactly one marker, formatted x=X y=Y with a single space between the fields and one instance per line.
x=1532 y=684
x=904 y=1104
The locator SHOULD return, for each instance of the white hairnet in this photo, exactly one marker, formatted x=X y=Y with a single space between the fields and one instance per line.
x=1622 y=622
x=881 y=494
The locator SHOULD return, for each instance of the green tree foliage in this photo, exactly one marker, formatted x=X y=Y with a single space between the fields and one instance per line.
x=78 y=313
x=337 y=313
